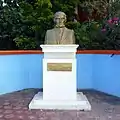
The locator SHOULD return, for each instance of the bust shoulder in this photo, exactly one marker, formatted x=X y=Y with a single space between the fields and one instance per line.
x=49 y=30
x=70 y=30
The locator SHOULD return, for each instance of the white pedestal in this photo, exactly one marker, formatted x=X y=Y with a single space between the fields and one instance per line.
x=80 y=104
x=59 y=85
x=59 y=80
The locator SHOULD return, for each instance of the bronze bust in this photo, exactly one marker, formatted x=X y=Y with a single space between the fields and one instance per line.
x=60 y=34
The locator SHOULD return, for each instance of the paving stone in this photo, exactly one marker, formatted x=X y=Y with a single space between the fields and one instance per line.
x=14 y=106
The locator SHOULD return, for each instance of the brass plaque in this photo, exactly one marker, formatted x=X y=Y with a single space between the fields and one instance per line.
x=59 y=66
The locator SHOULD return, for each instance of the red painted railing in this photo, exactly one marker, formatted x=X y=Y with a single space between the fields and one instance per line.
x=17 y=52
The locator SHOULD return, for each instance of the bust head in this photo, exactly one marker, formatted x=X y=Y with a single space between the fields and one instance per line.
x=60 y=19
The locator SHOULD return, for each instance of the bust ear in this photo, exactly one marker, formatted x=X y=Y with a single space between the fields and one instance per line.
x=65 y=19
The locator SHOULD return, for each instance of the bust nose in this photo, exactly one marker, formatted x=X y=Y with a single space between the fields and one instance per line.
x=59 y=21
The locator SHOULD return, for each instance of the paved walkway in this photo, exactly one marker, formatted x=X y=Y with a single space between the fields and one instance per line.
x=14 y=106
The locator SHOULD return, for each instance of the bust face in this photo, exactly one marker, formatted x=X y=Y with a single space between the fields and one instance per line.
x=60 y=19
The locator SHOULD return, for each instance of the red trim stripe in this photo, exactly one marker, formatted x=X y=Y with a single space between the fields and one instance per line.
x=17 y=52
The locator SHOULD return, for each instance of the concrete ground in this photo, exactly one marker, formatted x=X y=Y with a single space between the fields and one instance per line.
x=14 y=106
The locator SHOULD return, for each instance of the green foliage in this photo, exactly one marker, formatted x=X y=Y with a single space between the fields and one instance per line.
x=9 y=24
x=98 y=8
x=25 y=43
x=23 y=23
x=85 y=33
x=114 y=8
x=36 y=19
x=109 y=35
x=24 y=18
x=100 y=34
x=67 y=6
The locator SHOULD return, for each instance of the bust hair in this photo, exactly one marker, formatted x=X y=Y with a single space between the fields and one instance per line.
x=58 y=13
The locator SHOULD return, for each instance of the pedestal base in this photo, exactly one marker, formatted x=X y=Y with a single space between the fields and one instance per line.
x=81 y=103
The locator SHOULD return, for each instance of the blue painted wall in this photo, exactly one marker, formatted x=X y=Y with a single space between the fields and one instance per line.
x=100 y=72
x=19 y=72
x=106 y=74
x=84 y=71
